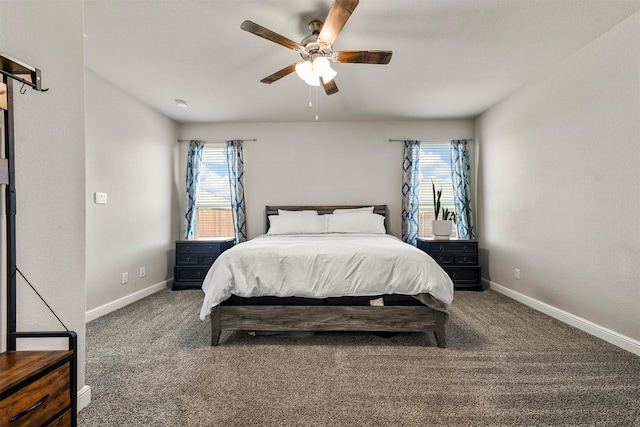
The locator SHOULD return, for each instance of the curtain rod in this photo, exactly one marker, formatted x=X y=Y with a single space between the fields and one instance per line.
x=421 y=140
x=426 y=140
x=219 y=140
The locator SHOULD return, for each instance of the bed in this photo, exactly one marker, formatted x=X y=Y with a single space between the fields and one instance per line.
x=329 y=268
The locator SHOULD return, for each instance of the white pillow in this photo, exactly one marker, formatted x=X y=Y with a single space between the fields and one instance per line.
x=368 y=209
x=296 y=224
x=356 y=223
x=305 y=212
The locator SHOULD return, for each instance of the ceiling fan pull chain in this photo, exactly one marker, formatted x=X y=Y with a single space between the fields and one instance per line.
x=317 y=114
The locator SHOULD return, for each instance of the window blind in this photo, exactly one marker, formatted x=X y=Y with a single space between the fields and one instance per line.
x=214 y=189
x=435 y=164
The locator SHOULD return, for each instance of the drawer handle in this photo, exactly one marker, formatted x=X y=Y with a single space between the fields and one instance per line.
x=453 y=275
x=441 y=248
x=33 y=408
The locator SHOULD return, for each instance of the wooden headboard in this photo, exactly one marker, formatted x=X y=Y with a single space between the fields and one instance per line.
x=323 y=209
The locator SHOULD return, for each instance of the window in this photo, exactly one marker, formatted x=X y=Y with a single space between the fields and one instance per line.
x=435 y=164
x=214 y=216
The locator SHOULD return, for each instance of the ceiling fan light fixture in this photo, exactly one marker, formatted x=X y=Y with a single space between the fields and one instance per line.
x=313 y=80
x=320 y=65
x=322 y=68
x=304 y=70
x=311 y=72
x=329 y=74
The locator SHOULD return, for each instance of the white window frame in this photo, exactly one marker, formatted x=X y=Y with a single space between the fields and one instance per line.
x=435 y=164
x=209 y=180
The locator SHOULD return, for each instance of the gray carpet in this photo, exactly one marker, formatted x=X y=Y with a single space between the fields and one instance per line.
x=150 y=364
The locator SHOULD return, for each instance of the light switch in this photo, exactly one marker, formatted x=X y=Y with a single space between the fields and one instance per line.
x=101 y=198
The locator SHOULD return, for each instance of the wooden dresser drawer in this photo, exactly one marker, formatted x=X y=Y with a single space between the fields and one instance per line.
x=64 y=420
x=39 y=401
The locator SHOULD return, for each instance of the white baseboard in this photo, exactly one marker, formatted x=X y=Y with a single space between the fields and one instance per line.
x=84 y=397
x=622 y=341
x=124 y=301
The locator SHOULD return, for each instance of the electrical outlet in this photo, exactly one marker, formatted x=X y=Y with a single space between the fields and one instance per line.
x=516 y=273
x=100 y=198
x=125 y=278
x=143 y=272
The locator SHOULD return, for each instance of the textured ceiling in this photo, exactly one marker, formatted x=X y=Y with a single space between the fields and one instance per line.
x=451 y=58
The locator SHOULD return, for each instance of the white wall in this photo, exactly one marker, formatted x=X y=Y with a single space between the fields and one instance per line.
x=560 y=184
x=131 y=152
x=324 y=163
x=50 y=169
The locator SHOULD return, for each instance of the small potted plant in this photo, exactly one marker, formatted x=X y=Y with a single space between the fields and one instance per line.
x=441 y=228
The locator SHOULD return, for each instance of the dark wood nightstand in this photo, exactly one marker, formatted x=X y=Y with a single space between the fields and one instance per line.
x=458 y=257
x=193 y=260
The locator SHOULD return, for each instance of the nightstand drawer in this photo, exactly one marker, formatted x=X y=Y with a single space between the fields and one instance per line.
x=463 y=275
x=207 y=259
x=214 y=248
x=196 y=274
x=39 y=401
x=196 y=259
x=466 y=259
x=190 y=259
x=452 y=247
x=443 y=259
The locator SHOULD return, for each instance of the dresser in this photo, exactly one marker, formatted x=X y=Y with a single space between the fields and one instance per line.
x=36 y=388
x=458 y=257
x=193 y=259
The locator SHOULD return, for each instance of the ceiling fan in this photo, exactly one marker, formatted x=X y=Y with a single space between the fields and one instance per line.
x=316 y=49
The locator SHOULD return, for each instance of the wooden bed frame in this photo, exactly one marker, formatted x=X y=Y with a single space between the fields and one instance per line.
x=324 y=317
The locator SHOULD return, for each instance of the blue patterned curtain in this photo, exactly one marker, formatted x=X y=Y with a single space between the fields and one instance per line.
x=410 y=199
x=461 y=179
x=235 y=162
x=194 y=159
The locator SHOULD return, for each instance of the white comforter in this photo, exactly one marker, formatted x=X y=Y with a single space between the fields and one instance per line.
x=323 y=265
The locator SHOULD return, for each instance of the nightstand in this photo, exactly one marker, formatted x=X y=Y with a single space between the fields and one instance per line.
x=193 y=260
x=458 y=257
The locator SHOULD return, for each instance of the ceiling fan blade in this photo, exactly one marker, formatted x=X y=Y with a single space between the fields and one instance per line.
x=363 y=56
x=265 y=33
x=330 y=87
x=337 y=17
x=279 y=74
